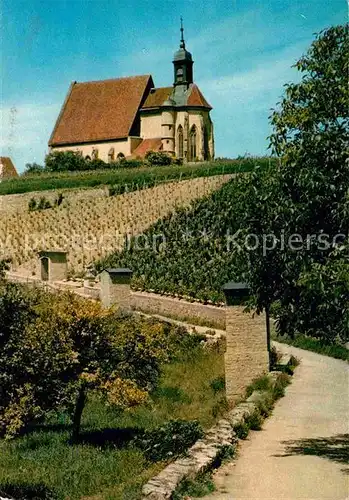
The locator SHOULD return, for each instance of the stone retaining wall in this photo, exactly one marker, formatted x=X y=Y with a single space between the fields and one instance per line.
x=152 y=303
x=205 y=452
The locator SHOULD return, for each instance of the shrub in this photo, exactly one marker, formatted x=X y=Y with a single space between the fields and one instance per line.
x=280 y=385
x=132 y=163
x=158 y=158
x=42 y=204
x=201 y=486
x=29 y=491
x=241 y=430
x=63 y=161
x=177 y=161
x=255 y=421
x=56 y=348
x=4 y=266
x=33 y=169
x=32 y=205
x=174 y=394
x=260 y=384
x=170 y=440
x=217 y=385
x=97 y=164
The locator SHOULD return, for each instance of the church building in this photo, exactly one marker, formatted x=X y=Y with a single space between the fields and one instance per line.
x=7 y=168
x=126 y=117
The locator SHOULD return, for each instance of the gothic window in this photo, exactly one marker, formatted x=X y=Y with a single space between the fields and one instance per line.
x=111 y=155
x=192 y=144
x=94 y=154
x=206 y=148
x=180 y=141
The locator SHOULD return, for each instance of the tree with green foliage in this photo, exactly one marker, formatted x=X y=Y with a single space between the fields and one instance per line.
x=33 y=169
x=158 y=158
x=65 y=161
x=55 y=348
x=301 y=208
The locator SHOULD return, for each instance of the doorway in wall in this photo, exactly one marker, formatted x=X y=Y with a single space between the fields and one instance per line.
x=44 y=268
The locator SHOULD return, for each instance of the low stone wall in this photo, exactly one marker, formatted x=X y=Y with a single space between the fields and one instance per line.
x=152 y=303
x=205 y=453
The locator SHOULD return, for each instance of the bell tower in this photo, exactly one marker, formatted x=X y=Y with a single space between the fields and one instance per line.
x=183 y=64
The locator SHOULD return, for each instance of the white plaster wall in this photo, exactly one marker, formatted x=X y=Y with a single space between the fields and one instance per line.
x=151 y=126
x=122 y=146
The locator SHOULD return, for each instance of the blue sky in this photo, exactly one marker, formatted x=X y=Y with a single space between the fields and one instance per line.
x=243 y=52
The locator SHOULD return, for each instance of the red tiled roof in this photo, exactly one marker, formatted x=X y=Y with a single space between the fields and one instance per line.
x=157 y=97
x=196 y=98
x=7 y=168
x=100 y=110
x=147 y=145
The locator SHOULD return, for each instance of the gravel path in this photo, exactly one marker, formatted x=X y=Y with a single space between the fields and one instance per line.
x=302 y=450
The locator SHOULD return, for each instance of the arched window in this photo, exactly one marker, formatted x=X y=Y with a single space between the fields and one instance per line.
x=179 y=74
x=94 y=154
x=192 y=144
x=111 y=155
x=180 y=141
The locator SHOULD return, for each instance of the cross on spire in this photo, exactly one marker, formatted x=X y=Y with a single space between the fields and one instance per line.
x=182 y=45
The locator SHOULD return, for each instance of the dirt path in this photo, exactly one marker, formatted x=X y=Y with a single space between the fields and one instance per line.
x=302 y=450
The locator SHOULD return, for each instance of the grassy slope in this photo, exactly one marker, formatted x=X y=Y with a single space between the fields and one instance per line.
x=92 y=470
x=148 y=175
x=310 y=344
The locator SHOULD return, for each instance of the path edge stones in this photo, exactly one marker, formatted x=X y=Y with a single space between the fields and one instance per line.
x=207 y=452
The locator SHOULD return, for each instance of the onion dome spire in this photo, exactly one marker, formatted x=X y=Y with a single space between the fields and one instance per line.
x=183 y=63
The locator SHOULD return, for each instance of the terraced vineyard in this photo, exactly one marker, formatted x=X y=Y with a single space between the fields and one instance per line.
x=188 y=252
x=92 y=228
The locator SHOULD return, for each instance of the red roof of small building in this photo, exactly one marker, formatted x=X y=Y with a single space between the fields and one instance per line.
x=100 y=110
x=7 y=168
x=147 y=145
